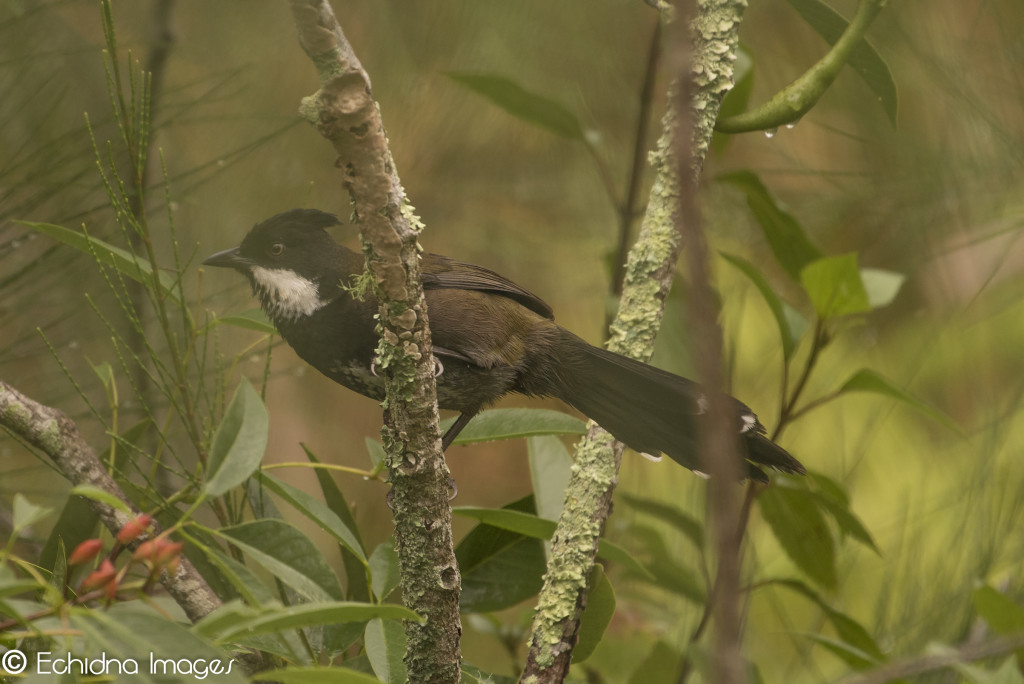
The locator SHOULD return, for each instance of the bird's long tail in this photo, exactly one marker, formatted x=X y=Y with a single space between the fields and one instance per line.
x=651 y=410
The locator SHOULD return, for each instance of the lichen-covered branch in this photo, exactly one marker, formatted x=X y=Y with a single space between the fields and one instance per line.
x=345 y=113
x=56 y=435
x=649 y=273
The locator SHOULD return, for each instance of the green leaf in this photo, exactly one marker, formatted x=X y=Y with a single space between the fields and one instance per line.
x=129 y=265
x=315 y=510
x=834 y=500
x=25 y=513
x=1002 y=614
x=835 y=287
x=794 y=515
x=661 y=666
x=664 y=570
x=318 y=674
x=677 y=518
x=774 y=303
x=881 y=286
x=104 y=372
x=287 y=554
x=867 y=380
x=596 y=617
x=539 y=528
x=864 y=59
x=134 y=630
x=239 y=443
x=385 y=647
x=737 y=99
x=786 y=237
x=242 y=579
x=279 y=618
x=857 y=647
x=384 y=569
x=376 y=450
x=355 y=568
x=515 y=423
x=550 y=464
x=250 y=319
x=521 y=103
x=849 y=654
x=101 y=495
x=500 y=568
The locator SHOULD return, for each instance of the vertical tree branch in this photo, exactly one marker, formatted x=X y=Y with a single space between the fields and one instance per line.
x=345 y=113
x=648 y=278
x=719 y=453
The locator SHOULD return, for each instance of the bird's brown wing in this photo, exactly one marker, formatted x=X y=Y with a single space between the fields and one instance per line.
x=439 y=272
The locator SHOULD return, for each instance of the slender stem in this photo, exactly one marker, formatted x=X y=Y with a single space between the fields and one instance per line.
x=628 y=210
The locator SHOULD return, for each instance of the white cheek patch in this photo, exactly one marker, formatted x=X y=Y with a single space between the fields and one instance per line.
x=285 y=294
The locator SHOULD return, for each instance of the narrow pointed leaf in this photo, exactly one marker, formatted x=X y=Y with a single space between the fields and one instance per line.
x=597 y=616
x=133 y=267
x=550 y=464
x=279 y=618
x=786 y=237
x=499 y=424
x=384 y=641
x=774 y=303
x=239 y=443
x=500 y=568
x=25 y=513
x=539 y=528
x=835 y=287
x=523 y=104
x=998 y=610
x=384 y=569
x=289 y=555
x=864 y=59
x=795 y=518
x=357 y=586
x=679 y=519
x=867 y=380
x=250 y=319
x=315 y=510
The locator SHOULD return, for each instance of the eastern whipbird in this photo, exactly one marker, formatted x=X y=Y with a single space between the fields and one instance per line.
x=490 y=337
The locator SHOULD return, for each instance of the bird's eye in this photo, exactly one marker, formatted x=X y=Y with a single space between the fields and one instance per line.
x=276 y=249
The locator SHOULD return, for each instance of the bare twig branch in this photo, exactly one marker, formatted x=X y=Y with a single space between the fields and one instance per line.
x=719 y=453
x=911 y=667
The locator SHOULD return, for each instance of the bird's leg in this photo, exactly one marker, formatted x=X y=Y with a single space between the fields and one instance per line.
x=455 y=429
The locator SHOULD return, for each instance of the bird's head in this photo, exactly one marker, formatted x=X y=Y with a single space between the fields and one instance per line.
x=291 y=262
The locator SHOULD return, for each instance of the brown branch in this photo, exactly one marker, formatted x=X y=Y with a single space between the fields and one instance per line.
x=911 y=667
x=718 y=448
x=345 y=113
x=56 y=435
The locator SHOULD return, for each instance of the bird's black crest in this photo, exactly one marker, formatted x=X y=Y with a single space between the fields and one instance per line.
x=310 y=219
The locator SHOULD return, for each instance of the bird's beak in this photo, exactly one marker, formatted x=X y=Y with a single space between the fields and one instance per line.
x=229 y=258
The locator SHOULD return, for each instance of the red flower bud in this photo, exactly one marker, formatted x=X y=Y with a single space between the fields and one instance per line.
x=145 y=552
x=85 y=552
x=167 y=551
x=105 y=577
x=134 y=528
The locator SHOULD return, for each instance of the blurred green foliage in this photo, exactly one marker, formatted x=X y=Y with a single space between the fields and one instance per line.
x=935 y=511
